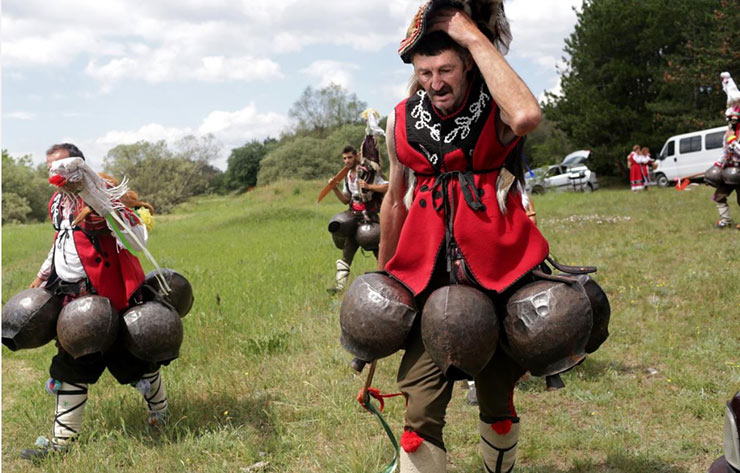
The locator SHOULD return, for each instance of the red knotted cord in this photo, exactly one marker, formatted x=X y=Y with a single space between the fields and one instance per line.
x=364 y=394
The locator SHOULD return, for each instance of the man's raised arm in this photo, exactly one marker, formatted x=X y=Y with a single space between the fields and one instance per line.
x=519 y=110
x=392 y=211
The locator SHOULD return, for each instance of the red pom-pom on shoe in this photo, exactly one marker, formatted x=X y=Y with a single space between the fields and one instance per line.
x=502 y=427
x=57 y=180
x=410 y=441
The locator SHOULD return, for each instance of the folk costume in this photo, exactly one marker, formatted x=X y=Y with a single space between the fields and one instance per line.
x=463 y=226
x=728 y=161
x=465 y=290
x=360 y=225
x=87 y=258
x=639 y=172
x=457 y=161
x=455 y=223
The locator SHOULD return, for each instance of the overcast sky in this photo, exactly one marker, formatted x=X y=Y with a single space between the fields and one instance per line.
x=100 y=74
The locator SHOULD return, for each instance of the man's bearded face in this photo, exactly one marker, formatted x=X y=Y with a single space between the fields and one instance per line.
x=444 y=78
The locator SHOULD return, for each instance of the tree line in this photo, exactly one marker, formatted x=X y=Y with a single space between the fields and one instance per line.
x=165 y=175
x=637 y=71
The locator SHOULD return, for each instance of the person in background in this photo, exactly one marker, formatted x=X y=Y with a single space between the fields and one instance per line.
x=362 y=191
x=730 y=158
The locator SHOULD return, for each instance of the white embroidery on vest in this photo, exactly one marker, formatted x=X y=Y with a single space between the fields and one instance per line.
x=464 y=123
x=424 y=118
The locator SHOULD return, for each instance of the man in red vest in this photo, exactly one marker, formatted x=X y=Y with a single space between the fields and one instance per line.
x=86 y=258
x=453 y=213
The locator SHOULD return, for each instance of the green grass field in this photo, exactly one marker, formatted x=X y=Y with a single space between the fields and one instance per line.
x=262 y=376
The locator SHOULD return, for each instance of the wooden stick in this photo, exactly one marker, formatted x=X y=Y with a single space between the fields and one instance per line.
x=369 y=379
x=333 y=182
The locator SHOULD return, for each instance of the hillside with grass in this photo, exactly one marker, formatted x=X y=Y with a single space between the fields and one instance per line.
x=262 y=383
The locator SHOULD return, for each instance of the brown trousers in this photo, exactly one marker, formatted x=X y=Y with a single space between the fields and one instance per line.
x=723 y=192
x=428 y=391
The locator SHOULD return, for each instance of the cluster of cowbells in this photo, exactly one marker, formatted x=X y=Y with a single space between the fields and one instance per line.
x=549 y=325
x=345 y=224
x=89 y=325
x=716 y=175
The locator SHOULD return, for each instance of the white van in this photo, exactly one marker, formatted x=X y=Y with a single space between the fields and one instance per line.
x=689 y=155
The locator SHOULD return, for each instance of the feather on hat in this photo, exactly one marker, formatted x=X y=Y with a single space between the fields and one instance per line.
x=488 y=14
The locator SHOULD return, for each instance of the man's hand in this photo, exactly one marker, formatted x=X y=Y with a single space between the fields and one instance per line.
x=36 y=283
x=456 y=23
x=361 y=184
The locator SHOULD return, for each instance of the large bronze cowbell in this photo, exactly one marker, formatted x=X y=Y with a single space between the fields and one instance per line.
x=88 y=325
x=460 y=330
x=30 y=319
x=376 y=317
x=548 y=324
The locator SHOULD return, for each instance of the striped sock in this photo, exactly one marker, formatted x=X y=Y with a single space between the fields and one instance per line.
x=156 y=396
x=71 y=399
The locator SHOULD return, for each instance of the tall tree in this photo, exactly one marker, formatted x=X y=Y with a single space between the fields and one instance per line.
x=162 y=176
x=26 y=190
x=309 y=156
x=323 y=109
x=547 y=144
x=691 y=95
x=614 y=92
x=244 y=163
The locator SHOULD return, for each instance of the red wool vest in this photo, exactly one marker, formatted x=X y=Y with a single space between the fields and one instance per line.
x=114 y=273
x=499 y=249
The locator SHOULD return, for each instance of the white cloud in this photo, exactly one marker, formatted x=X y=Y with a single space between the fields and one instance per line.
x=238 y=127
x=150 y=132
x=539 y=28
x=168 y=40
x=230 y=128
x=166 y=65
x=20 y=115
x=331 y=72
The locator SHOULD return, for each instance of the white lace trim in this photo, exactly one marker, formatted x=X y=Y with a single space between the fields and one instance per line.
x=464 y=123
x=424 y=118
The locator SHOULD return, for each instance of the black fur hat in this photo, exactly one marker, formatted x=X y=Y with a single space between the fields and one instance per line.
x=488 y=14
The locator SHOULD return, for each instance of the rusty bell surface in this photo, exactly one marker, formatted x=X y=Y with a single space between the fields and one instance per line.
x=713 y=176
x=30 y=319
x=152 y=332
x=368 y=235
x=460 y=330
x=731 y=176
x=376 y=316
x=181 y=294
x=601 y=312
x=343 y=223
x=87 y=325
x=547 y=325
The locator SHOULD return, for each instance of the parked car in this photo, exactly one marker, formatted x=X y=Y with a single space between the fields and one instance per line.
x=535 y=181
x=689 y=155
x=574 y=178
x=572 y=174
